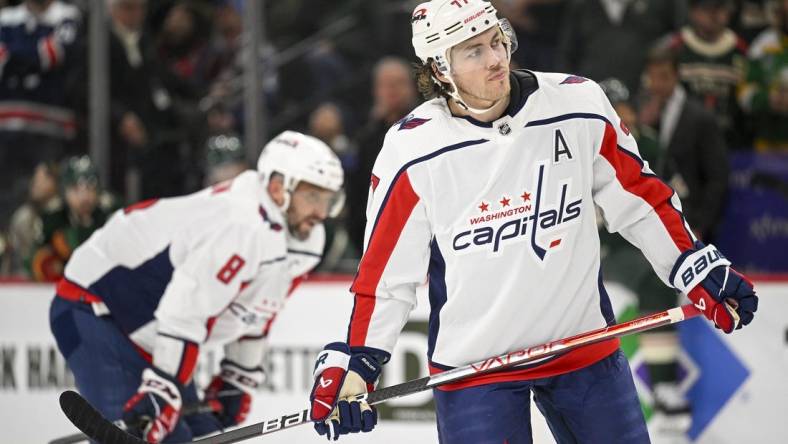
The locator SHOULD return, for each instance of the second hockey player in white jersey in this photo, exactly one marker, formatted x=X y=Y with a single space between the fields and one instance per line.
x=165 y=277
x=488 y=192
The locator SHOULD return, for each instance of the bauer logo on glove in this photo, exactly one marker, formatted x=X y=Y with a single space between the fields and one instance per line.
x=725 y=296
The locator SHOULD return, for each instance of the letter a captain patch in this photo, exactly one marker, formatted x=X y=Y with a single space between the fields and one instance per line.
x=561 y=148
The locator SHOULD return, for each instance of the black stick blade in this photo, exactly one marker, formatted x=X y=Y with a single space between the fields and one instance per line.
x=87 y=419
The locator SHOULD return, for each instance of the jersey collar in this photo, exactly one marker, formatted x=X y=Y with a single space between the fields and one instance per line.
x=523 y=84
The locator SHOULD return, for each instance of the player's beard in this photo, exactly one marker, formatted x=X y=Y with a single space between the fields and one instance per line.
x=490 y=92
x=300 y=230
x=300 y=226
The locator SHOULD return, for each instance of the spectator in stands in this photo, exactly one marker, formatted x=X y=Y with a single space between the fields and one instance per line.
x=750 y=18
x=25 y=227
x=771 y=35
x=63 y=230
x=225 y=158
x=38 y=45
x=694 y=161
x=609 y=38
x=394 y=94
x=183 y=48
x=226 y=39
x=765 y=93
x=145 y=151
x=223 y=103
x=537 y=24
x=711 y=60
x=327 y=124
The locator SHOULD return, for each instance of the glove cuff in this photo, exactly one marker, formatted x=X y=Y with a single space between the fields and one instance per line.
x=335 y=354
x=246 y=379
x=161 y=385
x=694 y=265
x=365 y=366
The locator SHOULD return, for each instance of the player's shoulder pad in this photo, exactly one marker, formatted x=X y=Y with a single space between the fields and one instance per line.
x=568 y=83
x=243 y=205
x=570 y=93
x=423 y=118
x=414 y=135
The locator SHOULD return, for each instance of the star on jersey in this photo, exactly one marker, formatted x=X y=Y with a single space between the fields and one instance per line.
x=526 y=196
x=484 y=207
x=504 y=201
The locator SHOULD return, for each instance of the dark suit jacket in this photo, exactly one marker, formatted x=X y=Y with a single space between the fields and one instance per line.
x=698 y=153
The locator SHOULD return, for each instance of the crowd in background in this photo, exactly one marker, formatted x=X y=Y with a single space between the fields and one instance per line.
x=692 y=79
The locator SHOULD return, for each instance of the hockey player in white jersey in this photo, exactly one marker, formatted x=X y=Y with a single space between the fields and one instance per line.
x=488 y=192
x=165 y=277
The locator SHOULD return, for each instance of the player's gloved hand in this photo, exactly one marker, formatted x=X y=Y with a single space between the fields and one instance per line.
x=230 y=392
x=339 y=376
x=153 y=412
x=725 y=296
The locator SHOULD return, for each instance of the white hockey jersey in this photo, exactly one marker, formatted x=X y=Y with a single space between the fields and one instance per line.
x=210 y=267
x=500 y=219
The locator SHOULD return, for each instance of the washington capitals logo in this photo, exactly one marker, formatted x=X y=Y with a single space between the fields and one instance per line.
x=531 y=219
x=571 y=80
x=411 y=122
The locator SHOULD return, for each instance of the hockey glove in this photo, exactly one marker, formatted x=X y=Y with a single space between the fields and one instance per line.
x=230 y=392
x=725 y=297
x=339 y=376
x=153 y=412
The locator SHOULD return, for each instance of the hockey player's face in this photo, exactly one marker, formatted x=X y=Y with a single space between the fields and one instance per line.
x=309 y=206
x=480 y=68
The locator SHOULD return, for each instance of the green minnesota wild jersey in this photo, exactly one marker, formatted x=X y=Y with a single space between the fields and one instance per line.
x=711 y=71
x=767 y=74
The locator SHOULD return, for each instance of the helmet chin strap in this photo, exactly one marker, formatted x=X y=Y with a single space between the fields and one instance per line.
x=457 y=98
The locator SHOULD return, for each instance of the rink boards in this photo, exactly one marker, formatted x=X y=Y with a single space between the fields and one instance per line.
x=738 y=382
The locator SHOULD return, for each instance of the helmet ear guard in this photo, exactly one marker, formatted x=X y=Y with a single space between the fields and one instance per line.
x=510 y=37
x=339 y=202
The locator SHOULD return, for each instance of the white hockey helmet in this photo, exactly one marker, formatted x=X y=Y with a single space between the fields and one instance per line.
x=439 y=25
x=301 y=158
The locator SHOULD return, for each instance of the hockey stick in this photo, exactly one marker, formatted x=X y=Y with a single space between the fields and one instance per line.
x=90 y=421
x=189 y=409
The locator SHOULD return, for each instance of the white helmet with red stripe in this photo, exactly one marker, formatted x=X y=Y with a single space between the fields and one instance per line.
x=301 y=158
x=439 y=25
